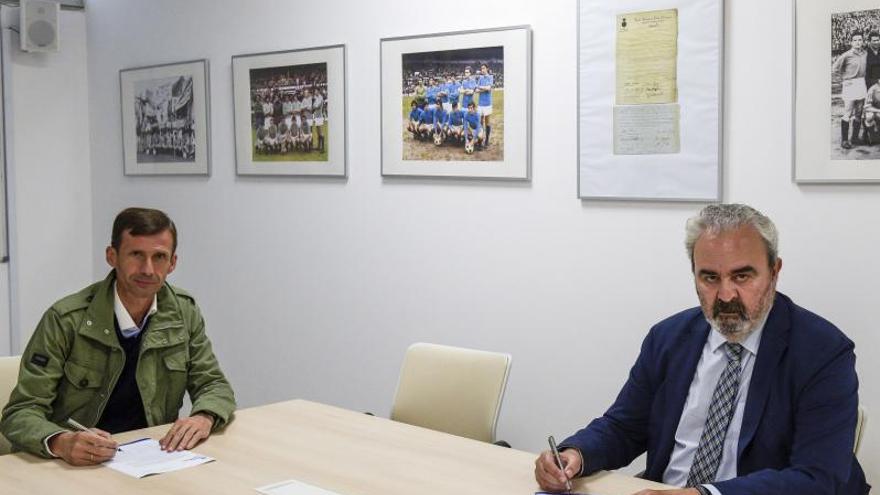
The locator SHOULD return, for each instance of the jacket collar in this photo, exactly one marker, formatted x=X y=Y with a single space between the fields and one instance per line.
x=774 y=342
x=98 y=323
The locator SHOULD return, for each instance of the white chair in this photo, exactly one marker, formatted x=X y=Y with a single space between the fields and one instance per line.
x=8 y=379
x=860 y=428
x=451 y=389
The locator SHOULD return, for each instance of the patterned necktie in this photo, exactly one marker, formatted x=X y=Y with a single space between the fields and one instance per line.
x=708 y=455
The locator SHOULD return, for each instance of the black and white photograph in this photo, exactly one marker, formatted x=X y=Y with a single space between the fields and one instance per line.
x=290 y=112
x=165 y=127
x=855 y=93
x=836 y=96
x=453 y=104
x=165 y=115
x=457 y=104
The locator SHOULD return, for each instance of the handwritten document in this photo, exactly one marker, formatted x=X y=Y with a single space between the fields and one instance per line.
x=144 y=457
x=646 y=129
x=647 y=50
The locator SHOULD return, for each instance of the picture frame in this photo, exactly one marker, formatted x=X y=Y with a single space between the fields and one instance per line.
x=494 y=142
x=824 y=39
x=650 y=84
x=291 y=112
x=166 y=119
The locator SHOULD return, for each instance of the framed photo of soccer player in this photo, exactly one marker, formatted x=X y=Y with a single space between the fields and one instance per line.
x=457 y=104
x=165 y=116
x=290 y=112
x=650 y=99
x=837 y=94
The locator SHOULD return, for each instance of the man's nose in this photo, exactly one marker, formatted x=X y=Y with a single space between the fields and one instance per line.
x=727 y=291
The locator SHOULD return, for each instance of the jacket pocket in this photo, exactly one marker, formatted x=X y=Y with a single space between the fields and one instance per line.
x=176 y=379
x=79 y=389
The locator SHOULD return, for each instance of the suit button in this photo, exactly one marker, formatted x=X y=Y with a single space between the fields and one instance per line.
x=83 y=383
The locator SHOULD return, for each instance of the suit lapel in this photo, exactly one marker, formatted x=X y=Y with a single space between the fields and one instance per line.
x=680 y=375
x=774 y=341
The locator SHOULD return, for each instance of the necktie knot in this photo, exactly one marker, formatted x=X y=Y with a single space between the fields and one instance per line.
x=733 y=351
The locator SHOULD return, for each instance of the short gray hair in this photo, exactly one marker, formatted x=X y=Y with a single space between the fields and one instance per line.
x=725 y=217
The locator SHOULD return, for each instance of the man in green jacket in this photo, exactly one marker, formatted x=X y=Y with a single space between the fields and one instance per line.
x=119 y=355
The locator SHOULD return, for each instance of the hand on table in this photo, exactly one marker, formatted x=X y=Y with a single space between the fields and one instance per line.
x=186 y=433
x=83 y=448
x=549 y=476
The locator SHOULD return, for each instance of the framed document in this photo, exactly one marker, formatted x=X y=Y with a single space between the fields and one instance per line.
x=457 y=104
x=290 y=112
x=165 y=116
x=837 y=98
x=649 y=99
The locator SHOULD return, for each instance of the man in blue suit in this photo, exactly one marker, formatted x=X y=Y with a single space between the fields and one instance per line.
x=746 y=394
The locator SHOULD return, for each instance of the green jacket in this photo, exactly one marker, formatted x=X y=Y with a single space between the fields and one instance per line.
x=72 y=362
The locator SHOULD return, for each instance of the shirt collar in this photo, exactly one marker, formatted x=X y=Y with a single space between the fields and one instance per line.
x=126 y=324
x=716 y=340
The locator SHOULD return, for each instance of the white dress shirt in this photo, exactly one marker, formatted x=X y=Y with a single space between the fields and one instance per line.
x=696 y=408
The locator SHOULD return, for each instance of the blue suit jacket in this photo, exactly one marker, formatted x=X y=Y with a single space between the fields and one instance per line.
x=798 y=425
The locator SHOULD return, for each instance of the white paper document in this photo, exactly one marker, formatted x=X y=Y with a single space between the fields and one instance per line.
x=144 y=457
x=646 y=129
x=293 y=487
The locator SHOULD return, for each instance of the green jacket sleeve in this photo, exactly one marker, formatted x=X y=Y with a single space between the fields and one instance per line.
x=207 y=386
x=25 y=421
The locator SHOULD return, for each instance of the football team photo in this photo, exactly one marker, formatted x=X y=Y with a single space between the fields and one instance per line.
x=855 y=91
x=164 y=124
x=289 y=119
x=453 y=105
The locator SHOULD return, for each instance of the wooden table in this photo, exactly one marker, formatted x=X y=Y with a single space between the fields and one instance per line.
x=344 y=451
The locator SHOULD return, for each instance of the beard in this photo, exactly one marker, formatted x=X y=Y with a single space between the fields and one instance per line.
x=733 y=320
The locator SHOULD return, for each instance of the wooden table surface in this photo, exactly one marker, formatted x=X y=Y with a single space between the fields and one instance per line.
x=343 y=451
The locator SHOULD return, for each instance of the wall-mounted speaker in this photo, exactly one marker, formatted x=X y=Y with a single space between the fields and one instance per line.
x=39 y=25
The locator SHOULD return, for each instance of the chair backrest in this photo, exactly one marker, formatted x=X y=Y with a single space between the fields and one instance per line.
x=8 y=379
x=451 y=389
x=860 y=428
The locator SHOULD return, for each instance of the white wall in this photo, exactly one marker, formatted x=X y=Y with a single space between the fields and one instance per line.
x=49 y=180
x=314 y=288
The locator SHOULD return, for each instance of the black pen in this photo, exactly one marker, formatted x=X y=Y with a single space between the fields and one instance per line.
x=75 y=424
x=559 y=460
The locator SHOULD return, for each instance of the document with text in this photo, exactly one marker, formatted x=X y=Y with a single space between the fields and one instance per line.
x=144 y=457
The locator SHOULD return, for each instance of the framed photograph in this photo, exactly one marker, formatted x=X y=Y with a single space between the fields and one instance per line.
x=837 y=95
x=165 y=117
x=457 y=104
x=290 y=112
x=650 y=99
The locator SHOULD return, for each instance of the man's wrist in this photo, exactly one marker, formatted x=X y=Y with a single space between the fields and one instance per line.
x=49 y=440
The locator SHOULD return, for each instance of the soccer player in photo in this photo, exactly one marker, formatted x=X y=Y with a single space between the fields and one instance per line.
x=850 y=66
x=431 y=95
x=872 y=114
x=426 y=120
x=484 y=87
x=455 y=123
x=440 y=117
x=415 y=117
x=318 y=116
x=296 y=130
x=468 y=87
x=453 y=91
x=473 y=131
x=307 y=117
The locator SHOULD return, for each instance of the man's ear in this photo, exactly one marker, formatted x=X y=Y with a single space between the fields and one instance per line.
x=173 y=263
x=110 y=256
